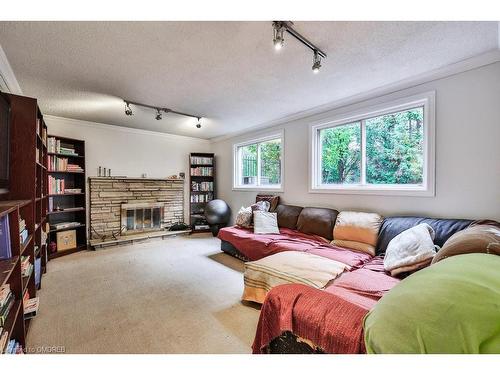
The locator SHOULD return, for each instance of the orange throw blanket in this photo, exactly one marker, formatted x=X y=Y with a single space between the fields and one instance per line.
x=329 y=321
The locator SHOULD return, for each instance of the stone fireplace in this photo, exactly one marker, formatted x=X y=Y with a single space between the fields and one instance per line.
x=121 y=205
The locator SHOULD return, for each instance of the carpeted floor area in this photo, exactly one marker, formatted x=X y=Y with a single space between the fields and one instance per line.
x=179 y=295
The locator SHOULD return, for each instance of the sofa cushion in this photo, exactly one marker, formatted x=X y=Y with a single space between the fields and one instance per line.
x=476 y=239
x=289 y=267
x=318 y=221
x=394 y=225
x=273 y=200
x=244 y=217
x=265 y=223
x=288 y=215
x=410 y=250
x=357 y=231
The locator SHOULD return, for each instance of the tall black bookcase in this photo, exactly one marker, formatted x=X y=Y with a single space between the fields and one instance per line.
x=202 y=174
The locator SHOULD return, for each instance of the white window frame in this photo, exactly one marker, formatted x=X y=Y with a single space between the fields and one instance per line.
x=237 y=167
x=426 y=189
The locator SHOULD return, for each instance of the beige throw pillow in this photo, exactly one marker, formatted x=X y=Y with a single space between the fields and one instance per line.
x=410 y=250
x=357 y=231
x=244 y=217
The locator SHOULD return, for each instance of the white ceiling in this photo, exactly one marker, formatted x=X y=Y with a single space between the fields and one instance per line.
x=228 y=72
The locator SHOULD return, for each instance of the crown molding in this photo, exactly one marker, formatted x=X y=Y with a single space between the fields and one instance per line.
x=7 y=76
x=471 y=63
x=99 y=125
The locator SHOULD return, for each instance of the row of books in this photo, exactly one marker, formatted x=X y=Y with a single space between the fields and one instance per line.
x=5 y=245
x=6 y=302
x=56 y=163
x=201 y=198
x=42 y=132
x=202 y=186
x=30 y=306
x=201 y=160
x=202 y=171
x=56 y=185
x=55 y=146
x=26 y=266
x=13 y=347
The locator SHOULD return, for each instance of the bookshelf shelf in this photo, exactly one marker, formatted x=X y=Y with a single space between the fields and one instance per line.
x=26 y=243
x=66 y=207
x=201 y=187
x=6 y=268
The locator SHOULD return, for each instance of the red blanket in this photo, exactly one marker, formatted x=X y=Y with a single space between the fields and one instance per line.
x=327 y=320
x=257 y=246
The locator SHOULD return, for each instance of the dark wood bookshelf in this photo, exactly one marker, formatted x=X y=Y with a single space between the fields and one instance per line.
x=67 y=206
x=198 y=161
x=27 y=199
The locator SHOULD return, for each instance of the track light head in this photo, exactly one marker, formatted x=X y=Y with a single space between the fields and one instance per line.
x=198 y=125
x=128 y=110
x=278 y=39
x=316 y=63
x=158 y=114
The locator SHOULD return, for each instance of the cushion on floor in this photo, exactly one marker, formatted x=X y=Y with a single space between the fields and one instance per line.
x=289 y=267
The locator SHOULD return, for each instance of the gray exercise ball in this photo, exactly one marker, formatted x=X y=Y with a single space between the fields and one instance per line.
x=217 y=212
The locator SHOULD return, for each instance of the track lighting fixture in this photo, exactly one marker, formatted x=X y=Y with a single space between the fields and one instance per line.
x=279 y=27
x=159 y=110
x=158 y=114
x=316 y=63
x=128 y=110
x=278 y=40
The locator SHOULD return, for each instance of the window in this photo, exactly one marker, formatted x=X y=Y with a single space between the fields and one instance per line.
x=388 y=150
x=258 y=164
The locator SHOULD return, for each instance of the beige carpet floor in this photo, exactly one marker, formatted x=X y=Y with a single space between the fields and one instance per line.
x=178 y=295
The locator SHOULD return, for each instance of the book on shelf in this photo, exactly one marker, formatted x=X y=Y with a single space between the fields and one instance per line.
x=202 y=186
x=14 y=347
x=73 y=191
x=26 y=266
x=23 y=236
x=55 y=146
x=38 y=271
x=56 y=185
x=22 y=224
x=201 y=198
x=44 y=136
x=202 y=171
x=3 y=340
x=5 y=292
x=4 y=311
x=31 y=307
x=5 y=244
x=202 y=160
x=65 y=225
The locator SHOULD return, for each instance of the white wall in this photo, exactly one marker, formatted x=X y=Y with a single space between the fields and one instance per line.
x=130 y=152
x=467 y=154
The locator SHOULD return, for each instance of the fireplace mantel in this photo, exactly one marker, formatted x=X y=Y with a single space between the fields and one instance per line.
x=108 y=194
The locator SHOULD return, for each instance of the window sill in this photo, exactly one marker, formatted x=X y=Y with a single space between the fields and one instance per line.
x=367 y=190
x=258 y=188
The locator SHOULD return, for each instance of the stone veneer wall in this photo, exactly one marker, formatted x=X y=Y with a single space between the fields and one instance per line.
x=108 y=193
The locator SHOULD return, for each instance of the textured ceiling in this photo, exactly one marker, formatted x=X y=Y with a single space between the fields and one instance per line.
x=228 y=72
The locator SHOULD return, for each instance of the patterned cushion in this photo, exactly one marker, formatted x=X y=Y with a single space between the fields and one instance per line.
x=244 y=217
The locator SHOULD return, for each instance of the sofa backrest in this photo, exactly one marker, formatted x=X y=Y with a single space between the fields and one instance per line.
x=288 y=215
x=319 y=221
x=392 y=226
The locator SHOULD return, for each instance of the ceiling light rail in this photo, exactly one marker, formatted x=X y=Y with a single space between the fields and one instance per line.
x=279 y=27
x=158 y=111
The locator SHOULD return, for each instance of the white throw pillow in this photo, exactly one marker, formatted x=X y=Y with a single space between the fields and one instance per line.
x=244 y=217
x=410 y=250
x=265 y=222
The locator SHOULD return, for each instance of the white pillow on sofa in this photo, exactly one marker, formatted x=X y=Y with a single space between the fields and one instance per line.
x=410 y=250
x=265 y=222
